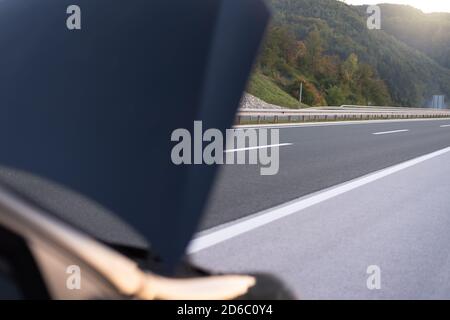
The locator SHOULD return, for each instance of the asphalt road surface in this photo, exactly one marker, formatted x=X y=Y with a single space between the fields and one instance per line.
x=346 y=197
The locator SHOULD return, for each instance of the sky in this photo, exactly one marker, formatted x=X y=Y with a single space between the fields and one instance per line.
x=424 y=5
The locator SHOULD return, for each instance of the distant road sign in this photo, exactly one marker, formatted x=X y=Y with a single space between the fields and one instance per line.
x=438 y=102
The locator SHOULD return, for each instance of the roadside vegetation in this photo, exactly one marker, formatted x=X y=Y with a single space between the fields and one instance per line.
x=264 y=88
x=326 y=46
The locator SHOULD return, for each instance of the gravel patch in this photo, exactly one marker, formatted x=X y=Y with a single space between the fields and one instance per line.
x=251 y=102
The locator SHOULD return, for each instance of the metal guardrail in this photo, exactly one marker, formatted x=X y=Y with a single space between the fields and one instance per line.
x=359 y=107
x=342 y=114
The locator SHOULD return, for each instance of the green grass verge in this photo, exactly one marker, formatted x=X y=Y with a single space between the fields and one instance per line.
x=262 y=87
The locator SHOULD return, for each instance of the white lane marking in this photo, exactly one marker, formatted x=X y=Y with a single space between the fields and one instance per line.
x=219 y=234
x=445 y=126
x=259 y=147
x=389 y=132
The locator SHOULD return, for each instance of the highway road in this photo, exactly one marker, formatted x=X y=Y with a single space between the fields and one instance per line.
x=347 y=196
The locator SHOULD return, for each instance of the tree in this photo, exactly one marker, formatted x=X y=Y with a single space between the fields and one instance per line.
x=335 y=96
x=314 y=50
x=349 y=68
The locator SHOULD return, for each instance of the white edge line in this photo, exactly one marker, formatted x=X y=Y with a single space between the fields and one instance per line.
x=445 y=126
x=241 y=226
x=259 y=147
x=389 y=132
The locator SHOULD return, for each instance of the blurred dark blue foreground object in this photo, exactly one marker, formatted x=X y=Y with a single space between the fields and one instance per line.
x=94 y=109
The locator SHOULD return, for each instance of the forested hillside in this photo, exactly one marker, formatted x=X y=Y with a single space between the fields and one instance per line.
x=326 y=45
x=429 y=33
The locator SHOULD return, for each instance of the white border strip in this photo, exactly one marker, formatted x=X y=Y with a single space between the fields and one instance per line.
x=332 y=123
x=217 y=235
